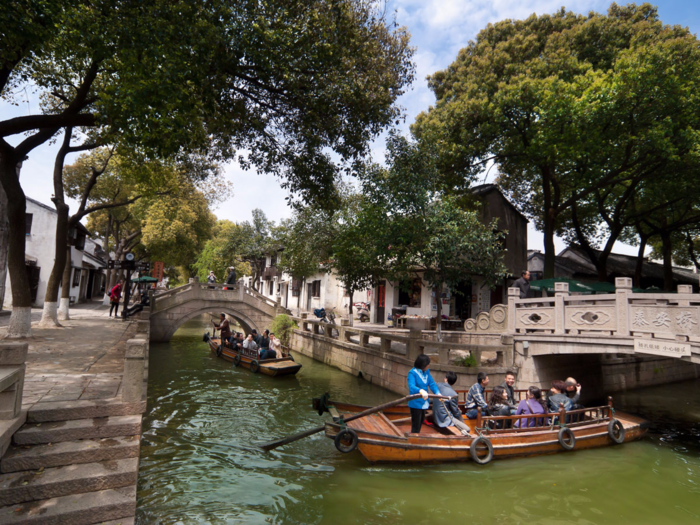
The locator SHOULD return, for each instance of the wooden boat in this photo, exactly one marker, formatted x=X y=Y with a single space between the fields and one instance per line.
x=249 y=359
x=385 y=436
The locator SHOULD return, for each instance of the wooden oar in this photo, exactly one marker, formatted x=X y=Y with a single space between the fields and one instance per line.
x=274 y=444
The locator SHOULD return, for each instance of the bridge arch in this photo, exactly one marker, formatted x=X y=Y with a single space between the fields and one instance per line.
x=246 y=322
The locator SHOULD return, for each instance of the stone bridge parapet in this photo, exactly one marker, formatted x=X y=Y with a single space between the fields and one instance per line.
x=171 y=309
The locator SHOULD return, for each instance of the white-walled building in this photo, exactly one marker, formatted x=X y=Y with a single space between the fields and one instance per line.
x=87 y=276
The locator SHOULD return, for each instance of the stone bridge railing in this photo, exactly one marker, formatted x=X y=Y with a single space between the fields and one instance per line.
x=410 y=344
x=218 y=292
x=664 y=324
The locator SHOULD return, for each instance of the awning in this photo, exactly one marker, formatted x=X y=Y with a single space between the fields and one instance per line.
x=547 y=285
x=30 y=259
x=145 y=279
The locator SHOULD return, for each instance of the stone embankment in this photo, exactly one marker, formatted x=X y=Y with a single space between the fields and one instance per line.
x=74 y=450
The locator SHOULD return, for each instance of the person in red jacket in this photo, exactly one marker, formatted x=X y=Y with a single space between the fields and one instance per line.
x=114 y=295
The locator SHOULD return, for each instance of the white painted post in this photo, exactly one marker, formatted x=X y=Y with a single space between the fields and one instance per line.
x=623 y=287
x=561 y=290
x=513 y=294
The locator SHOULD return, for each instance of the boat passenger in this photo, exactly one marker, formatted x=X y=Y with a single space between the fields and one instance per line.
x=498 y=406
x=276 y=345
x=475 y=396
x=224 y=327
x=256 y=337
x=265 y=351
x=250 y=344
x=570 y=392
x=558 y=396
x=446 y=413
x=534 y=404
x=419 y=381
x=510 y=392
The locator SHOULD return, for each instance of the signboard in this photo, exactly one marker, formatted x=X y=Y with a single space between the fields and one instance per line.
x=662 y=348
x=158 y=267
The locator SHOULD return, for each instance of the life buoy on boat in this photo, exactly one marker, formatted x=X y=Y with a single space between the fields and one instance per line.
x=219 y=349
x=236 y=359
x=567 y=440
x=254 y=366
x=346 y=440
x=616 y=431
x=474 y=453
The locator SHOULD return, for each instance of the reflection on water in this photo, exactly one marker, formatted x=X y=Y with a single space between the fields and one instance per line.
x=199 y=463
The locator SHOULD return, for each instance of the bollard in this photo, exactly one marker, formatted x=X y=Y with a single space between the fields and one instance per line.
x=134 y=361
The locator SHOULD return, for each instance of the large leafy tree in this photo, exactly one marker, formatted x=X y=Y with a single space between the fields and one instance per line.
x=286 y=82
x=222 y=251
x=575 y=110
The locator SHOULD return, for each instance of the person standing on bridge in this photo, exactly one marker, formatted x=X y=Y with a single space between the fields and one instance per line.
x=231 y=278
x=523 y=284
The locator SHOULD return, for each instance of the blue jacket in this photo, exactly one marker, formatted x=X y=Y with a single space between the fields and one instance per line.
x=417 y=381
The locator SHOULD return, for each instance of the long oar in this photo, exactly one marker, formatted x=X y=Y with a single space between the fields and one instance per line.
x=274 y=444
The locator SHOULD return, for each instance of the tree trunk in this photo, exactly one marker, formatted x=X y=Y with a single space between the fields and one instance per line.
x=4 y=240
x=21 y=319
x=438 y=321
x=351 y=293
x=49 y=316
x=64 y=306
x=640 y=261
x=667 y=250
x=549 y=248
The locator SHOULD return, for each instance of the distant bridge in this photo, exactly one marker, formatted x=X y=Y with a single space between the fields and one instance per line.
x=171 y=309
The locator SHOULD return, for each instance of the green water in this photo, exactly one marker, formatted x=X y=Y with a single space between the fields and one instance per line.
x=198 y=463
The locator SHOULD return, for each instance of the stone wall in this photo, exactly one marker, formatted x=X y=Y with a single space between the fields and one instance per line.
x=386 y=369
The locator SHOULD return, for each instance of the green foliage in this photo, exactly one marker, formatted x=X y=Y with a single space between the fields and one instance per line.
x=282 y=326
x=220 y=252
x=468 y=361
x=575 y=110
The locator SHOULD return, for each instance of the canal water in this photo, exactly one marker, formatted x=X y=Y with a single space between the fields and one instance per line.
x=199 y=463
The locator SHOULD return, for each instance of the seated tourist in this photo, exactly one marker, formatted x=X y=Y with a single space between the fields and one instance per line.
x=534 y=404
x=237 y=342
x=475 y=396
x=510 y=392
x=446 y=413
x=276 y=345
x=264 y=344
x=250 y=344
x=498 y=406
x=571 y=392
x=558 y=396
x=256 y=337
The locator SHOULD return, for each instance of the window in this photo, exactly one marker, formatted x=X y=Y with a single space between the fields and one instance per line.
x=296 y=286
x=76 y=277
x=273 y=260
x=271 y=287
x=28 y=223
x=316 y=289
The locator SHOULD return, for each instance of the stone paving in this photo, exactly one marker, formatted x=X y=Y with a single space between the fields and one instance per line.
x=79 y=361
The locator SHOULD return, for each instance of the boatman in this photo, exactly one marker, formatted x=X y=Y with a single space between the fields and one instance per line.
x=224 y=327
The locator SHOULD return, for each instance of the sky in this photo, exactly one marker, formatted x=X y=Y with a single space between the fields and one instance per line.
x=439 y=29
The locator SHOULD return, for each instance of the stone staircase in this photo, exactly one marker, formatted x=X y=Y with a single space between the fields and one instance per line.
x=73 y=462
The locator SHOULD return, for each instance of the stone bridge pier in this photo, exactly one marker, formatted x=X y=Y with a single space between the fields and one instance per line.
x=171 y=309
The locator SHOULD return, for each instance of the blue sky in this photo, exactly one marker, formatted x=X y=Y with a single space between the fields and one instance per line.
x=439 y=29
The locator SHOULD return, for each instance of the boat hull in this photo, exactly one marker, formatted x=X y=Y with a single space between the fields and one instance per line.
x=269 y=367
x=380 y=440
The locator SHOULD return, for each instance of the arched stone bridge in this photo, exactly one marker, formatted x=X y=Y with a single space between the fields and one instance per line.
x=171 y=309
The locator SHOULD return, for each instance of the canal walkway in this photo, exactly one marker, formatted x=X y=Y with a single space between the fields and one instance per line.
x=75 y=460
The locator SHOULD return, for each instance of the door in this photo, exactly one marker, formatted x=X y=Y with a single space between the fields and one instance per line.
x=381 y=302
x=309 y=294
x=33 y=273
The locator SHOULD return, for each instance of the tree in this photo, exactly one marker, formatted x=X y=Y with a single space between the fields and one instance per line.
x=220 y=252
x=286 y=82
x=256 y=242
x=567 y=106
x=420 y=230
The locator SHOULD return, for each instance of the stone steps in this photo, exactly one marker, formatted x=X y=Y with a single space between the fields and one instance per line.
x=25 y=486
x=87 y=508
x=59 y=431
x=66 y=410
x=20 y=458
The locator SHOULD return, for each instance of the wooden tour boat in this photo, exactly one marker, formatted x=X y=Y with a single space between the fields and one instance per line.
x=249 y=359
x=385 y=436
